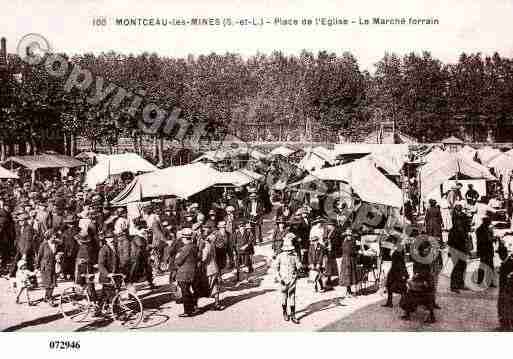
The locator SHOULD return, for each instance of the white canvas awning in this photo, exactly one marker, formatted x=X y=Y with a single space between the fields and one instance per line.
x=438 y=170
x=116 y=164
x=365 y=180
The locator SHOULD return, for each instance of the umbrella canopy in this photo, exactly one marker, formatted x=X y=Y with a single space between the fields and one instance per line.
x=434 y=173
x=117 y=164
x=6 y=174
x=364 y=178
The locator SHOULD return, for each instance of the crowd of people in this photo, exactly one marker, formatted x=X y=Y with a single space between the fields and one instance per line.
x=62 y=230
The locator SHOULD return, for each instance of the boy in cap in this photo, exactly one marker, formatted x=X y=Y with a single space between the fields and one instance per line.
x=287 y=266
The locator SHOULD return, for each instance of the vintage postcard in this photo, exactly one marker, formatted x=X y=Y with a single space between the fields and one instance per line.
x=255 y=166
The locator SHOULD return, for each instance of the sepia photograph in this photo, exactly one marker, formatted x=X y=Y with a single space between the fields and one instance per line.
x=244 y=166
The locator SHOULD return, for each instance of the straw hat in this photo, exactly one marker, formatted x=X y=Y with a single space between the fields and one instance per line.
x=288 y=242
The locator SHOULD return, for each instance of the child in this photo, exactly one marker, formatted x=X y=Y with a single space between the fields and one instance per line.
x=287 y=268
x=24 y=279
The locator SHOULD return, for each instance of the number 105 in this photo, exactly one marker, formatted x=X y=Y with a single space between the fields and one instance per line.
x=100 y=21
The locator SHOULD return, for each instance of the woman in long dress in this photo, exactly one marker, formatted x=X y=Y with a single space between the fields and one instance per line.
x=348 y=273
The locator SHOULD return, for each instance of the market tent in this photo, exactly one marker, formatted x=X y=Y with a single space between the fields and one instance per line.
x=502 y=162
x=236 y=178
x=436 y=155
x=115 y=165
x=6 y=174
x=180 y=181
x=436 y=172
x=386 y=164
x=486 y=154
x=365 y=180
x=316 y=158
x=397 y=153
x=468 y=151
x=35 y=162
x=282 y=151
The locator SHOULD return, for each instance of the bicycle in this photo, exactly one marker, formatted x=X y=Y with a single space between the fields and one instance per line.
x=125 y=306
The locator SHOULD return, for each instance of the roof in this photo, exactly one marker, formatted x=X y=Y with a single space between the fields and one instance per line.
x=452 y=140
x=364 y=178
x=6 y=174
x=45 y=161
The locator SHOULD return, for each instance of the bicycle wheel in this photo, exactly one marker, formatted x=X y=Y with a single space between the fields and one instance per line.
x=75 y=304
x=127 y=308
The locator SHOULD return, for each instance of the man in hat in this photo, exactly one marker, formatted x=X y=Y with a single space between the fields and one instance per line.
x=46 y=264
x=278 y=235
x=140 y=257
x=212 y=270
x=70 y=246
x=223 y=246
x=230 y=219
x=485 y=252
x=254 y=212
x=287 y=267
x=187 y=262
x=108 y=264
x=212 y=219
x=25 y=246
x=243 y=246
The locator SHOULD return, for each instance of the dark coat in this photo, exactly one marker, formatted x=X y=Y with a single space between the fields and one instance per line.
x=46 y=263
x=348 y=273
x=398 y=274
x=243 y=242
x=25 y=242
x=434 y=222
x=459 y=232
x=317 y=256
x=505 y=300
x=170 y=253
x=484 y=244
x=186 y=261
x=108 y=262
x=7 y=231
x=125 y=253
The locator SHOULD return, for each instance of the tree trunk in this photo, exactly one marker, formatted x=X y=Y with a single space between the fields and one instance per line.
x=160 y=151
x=73 y=145
x=28 y=147
x=3 y=150
x=140 y=142
x=65 y=143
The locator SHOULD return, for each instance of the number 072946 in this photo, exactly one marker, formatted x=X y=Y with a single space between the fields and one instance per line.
x=64 y=345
